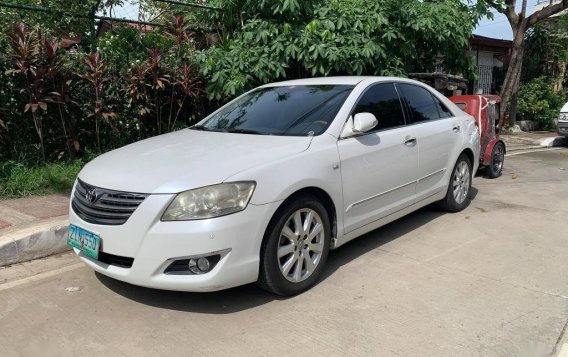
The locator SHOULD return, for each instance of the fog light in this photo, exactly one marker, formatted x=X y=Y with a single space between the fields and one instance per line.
x=193 y=266
x=203 y=264
x=199 y=266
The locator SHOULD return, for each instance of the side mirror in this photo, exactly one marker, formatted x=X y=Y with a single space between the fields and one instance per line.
x=363 y=122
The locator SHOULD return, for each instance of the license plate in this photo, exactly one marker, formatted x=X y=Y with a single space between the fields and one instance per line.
x=84 y=240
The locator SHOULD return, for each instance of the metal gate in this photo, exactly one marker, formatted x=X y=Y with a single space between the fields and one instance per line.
x=485 y=80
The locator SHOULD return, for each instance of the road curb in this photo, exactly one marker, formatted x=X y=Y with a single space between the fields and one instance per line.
x=553 y=141
x=41 y=240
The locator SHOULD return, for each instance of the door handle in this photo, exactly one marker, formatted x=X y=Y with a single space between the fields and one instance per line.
x=456 y=129
x=410 y=141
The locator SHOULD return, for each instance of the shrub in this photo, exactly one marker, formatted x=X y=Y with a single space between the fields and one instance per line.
x=57 y=104
x=538 y=101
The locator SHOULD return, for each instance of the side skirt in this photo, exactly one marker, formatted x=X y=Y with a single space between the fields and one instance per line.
x=337 y=242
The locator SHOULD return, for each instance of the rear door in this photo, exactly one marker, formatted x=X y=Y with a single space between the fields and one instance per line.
x=378 y=168
x=438 y=136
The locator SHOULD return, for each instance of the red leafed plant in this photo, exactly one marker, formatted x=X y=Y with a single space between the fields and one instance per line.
x=96 y=75
x=25 y=53
x=38 y=63
x=147 y=82
x=184 y=79
x=187 y=82
x=178 y=30
x=59 y=85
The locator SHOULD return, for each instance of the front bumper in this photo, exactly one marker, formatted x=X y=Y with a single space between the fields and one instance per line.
x=154 y=244
x=562 y=128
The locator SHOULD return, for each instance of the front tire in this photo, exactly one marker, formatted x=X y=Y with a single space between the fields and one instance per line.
x=295 y=247
x=495 y=167
x=457 y=196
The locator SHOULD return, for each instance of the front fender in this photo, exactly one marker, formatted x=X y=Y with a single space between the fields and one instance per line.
x=318 y=167
x=471 y=141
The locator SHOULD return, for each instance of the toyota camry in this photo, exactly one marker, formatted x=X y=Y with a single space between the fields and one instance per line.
x=262 y=189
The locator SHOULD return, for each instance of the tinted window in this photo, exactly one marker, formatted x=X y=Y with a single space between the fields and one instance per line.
x=443 y=111
x=420 y=102
x=382 y=101
x=290 y=110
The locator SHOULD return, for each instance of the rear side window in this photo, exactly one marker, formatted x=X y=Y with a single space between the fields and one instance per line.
x=442 y=109
x=382 y=100
x=422 y=104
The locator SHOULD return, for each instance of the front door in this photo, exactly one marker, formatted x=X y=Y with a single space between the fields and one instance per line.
x=378 y=168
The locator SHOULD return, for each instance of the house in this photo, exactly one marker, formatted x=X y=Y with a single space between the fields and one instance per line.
x=491 y=56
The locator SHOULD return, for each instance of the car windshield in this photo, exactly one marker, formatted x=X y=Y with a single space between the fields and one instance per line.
x=302 y=110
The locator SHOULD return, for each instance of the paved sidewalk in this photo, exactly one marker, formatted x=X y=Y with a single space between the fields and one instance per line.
x=532 y=139
x=33 y=227
x=26 y=212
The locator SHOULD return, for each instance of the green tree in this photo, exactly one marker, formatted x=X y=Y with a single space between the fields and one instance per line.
x=520 y=23
x=288 y=39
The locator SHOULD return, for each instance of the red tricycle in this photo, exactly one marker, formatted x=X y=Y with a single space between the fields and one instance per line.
x=485 y=110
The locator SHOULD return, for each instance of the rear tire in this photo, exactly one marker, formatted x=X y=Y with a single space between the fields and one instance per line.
x=295 y=247
x=457 y=196
x=495 y=167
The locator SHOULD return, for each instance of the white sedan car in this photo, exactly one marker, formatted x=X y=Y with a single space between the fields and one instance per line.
x=263 y=188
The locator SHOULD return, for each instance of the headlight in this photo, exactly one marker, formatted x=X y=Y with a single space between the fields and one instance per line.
x=563 y=117
x=210 y=201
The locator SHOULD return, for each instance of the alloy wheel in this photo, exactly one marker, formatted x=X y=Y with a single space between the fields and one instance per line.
x=461 y=182
x=300 y=245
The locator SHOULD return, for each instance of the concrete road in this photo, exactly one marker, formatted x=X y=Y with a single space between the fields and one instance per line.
x=489 y=281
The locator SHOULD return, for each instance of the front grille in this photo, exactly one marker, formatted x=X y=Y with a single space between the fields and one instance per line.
x=101 y=206
x=122 y=262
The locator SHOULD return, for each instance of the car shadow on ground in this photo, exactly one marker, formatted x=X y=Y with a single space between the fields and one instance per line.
x=250 y=296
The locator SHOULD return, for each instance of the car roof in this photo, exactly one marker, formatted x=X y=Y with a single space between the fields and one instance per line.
x=339 y=80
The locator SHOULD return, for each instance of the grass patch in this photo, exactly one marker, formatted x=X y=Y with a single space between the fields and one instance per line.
x=18 y=180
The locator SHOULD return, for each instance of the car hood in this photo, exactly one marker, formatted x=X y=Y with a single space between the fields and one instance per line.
x=186 y=159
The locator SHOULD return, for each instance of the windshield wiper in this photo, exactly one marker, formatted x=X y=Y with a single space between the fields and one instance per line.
x=235 y=130
x=199 y=127
x=243 y=131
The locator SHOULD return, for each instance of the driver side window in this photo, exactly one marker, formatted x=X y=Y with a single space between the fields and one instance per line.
x=382 y=101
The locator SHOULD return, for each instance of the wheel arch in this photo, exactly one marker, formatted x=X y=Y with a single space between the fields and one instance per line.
x=470 y=155
x=323 y=197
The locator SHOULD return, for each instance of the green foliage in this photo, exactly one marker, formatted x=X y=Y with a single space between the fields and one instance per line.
x=545 y=50
x=17 y=180
x=66 y=103
x=538 y=101
x=125 y=46
x=294 y=39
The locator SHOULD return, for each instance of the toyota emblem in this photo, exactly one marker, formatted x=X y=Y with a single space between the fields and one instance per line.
x=91 y=195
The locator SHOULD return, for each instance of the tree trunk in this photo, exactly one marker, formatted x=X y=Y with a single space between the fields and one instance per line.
x=559 y=80
x=512 y=78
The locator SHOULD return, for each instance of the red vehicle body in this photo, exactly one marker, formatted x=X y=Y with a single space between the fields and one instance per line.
x=485 y=110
